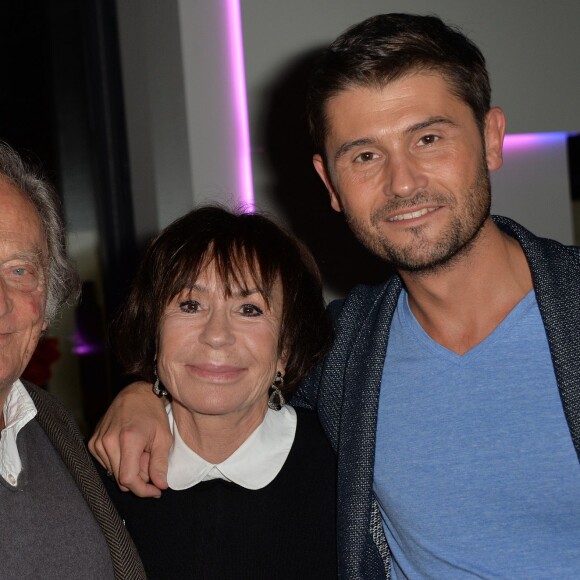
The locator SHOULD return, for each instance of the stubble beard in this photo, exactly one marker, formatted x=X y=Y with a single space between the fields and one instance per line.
x=423 y=255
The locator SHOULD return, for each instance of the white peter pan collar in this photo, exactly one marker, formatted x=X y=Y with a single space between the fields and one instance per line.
x=253 y=465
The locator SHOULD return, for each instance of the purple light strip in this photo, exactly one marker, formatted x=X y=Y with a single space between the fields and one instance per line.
x=245 y=187
x=532 y=140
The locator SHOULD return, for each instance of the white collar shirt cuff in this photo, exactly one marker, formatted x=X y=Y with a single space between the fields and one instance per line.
x=253 y=465
x=19 y=409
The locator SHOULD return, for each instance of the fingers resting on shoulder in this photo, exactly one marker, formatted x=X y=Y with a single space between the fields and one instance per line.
x=133 y=439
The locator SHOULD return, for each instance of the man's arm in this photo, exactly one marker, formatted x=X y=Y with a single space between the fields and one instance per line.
x=133 y=439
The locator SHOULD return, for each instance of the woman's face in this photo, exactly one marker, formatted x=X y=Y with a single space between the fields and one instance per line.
x=218 y=355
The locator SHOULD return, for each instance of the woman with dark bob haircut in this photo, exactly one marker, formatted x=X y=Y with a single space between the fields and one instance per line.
x=225 y=317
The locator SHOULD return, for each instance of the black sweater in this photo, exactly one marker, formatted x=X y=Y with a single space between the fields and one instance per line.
x=219 y=530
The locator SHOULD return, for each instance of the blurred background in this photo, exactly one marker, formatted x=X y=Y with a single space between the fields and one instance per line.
x=140 y=109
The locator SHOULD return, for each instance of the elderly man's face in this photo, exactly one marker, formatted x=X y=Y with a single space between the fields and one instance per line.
x=22 y=283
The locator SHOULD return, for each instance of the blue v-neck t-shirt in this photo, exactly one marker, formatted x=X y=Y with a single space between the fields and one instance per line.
x=475 y=471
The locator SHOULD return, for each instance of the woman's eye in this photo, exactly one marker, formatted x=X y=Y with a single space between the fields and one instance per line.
x=365 y=157
x=251 y=310
x=189 y=306
x=20 y=271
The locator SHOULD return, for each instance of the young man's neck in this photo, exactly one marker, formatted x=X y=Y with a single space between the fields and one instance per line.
x=460 y=304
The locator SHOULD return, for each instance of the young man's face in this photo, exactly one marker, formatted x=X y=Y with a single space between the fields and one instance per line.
x=408 y=167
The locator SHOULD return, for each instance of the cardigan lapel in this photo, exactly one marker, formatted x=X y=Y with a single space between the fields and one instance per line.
x=556 y=275
x=67 y=440
x=363 y=372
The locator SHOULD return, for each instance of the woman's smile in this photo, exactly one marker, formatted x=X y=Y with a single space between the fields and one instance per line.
x=216 y=373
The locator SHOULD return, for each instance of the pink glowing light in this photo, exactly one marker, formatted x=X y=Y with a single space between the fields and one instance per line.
x=83 y=346
x=533 y=140
x=240 y=105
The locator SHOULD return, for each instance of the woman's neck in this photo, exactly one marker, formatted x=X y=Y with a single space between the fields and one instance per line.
x=216 y=437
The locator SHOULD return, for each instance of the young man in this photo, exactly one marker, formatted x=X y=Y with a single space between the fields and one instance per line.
x=452 y=393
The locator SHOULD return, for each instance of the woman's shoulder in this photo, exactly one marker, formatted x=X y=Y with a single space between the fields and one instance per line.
x=310 y=435
x=307 y=417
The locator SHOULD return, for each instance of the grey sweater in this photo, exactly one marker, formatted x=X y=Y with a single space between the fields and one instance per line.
x=48 y=529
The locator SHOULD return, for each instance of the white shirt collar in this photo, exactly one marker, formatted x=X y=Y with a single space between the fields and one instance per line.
x=253 y=465
x=18 y=410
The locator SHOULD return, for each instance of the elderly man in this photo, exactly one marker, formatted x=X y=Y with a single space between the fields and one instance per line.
x=57 y=520
x=452 y=392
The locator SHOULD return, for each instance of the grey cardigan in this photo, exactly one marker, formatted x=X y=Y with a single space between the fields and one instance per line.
x=345 y=386
x=66 y=438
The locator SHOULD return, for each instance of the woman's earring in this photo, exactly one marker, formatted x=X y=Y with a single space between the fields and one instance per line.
x=276 y=400
x=157 y=389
